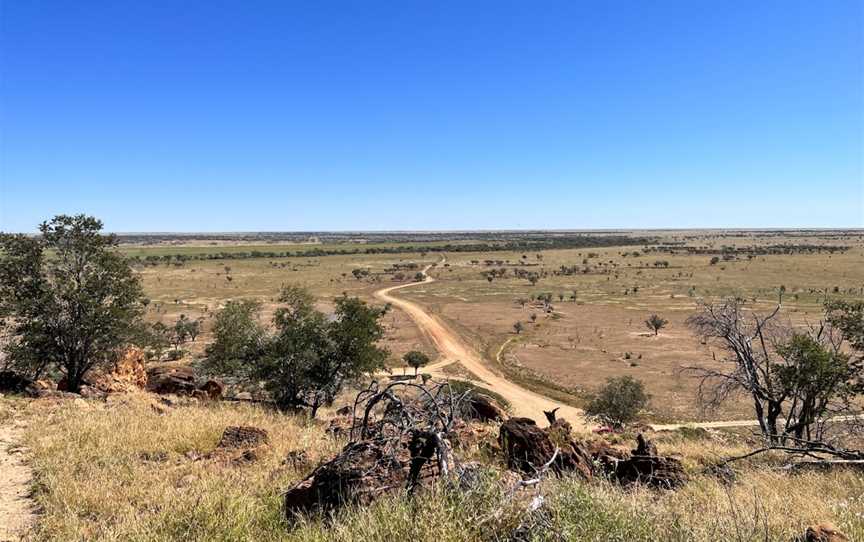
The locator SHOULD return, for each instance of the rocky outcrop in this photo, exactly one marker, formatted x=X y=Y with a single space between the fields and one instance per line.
x=528 y=448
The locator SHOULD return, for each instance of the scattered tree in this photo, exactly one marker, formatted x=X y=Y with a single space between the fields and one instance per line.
x=655 y=323
x=518 y=327
x=415 y=359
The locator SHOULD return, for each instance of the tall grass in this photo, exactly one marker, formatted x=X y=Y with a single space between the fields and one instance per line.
x=123 y=471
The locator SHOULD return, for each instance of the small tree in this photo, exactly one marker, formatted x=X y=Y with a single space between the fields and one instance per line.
x=310 y=357
x=795 y=379
x=518 y=327
x=238 y=338
x=655 y=323
x=416 y=359
x=619 y=401
x=71 y=299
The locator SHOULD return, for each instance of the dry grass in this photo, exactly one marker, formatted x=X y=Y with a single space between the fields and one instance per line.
x=120 y=471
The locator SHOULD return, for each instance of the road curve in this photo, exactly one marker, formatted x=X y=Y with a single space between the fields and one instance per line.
x=453 y=349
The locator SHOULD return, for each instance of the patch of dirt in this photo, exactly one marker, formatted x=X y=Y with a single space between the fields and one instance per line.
x=16 y=506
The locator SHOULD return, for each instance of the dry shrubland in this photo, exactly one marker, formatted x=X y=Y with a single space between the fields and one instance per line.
x=134 y=469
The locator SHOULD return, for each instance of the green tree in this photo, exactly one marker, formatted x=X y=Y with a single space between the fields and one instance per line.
x=619 y=401
x=71 y=298
x=416 y=359
x=655 y=323
x=238 y=338
x=310 y=357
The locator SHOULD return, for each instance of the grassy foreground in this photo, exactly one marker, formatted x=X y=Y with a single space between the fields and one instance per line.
x=122 y=470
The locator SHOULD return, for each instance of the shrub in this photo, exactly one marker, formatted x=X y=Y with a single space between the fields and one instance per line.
x=619 y=401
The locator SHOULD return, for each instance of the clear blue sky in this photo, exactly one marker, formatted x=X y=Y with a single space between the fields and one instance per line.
x=321 y=115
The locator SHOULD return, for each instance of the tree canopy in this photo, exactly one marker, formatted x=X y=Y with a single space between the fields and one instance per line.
x=69 y=298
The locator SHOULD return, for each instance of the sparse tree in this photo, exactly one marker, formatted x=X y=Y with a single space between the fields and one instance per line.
x=518 y=327
x=416 y=359
x=70 y=298
x=655 y=323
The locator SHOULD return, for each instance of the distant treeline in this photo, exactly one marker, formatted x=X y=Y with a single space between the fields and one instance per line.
x=754 y=250
x=533 y=245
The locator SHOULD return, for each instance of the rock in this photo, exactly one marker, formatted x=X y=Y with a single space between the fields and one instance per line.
x=128 y=374
x=242 y=437
x=646 y=467
x=213 y=389
x=527 y=448
x=171 y=380
x=12 y=382
x=80 y=403
x=362 y=472
x=346 y=410
x=243 y=396
x=484 y=408
x=823 y=532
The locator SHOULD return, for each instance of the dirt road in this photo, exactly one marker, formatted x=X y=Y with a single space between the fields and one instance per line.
x=453 y=349
x=16 y=511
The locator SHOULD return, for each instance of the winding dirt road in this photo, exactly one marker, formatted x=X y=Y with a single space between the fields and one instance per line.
x=453 y=349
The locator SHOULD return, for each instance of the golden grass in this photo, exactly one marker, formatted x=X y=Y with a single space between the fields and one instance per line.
x=120 y=471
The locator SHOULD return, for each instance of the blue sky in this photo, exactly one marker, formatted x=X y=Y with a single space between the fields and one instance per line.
x=323 y=115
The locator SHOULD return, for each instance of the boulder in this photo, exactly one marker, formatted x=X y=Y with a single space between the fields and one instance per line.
x=243 y=437
x=364 y=471
x=213 y=389
x=644 y=466
x=823 y=532
x=527 y=448
x=171 y=380
x=484 y=408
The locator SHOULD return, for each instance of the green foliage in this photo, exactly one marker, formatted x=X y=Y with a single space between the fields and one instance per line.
x=655 y=323
x=848 y=318
x=811 y=378
x=308 y=358
x=619 y=401
x=416 y=359
x=237 y=337
x=70 y=298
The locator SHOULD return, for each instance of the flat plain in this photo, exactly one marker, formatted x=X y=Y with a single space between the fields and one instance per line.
x=593 y=327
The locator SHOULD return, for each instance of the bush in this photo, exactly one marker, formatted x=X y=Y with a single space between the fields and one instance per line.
x=619 y=401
